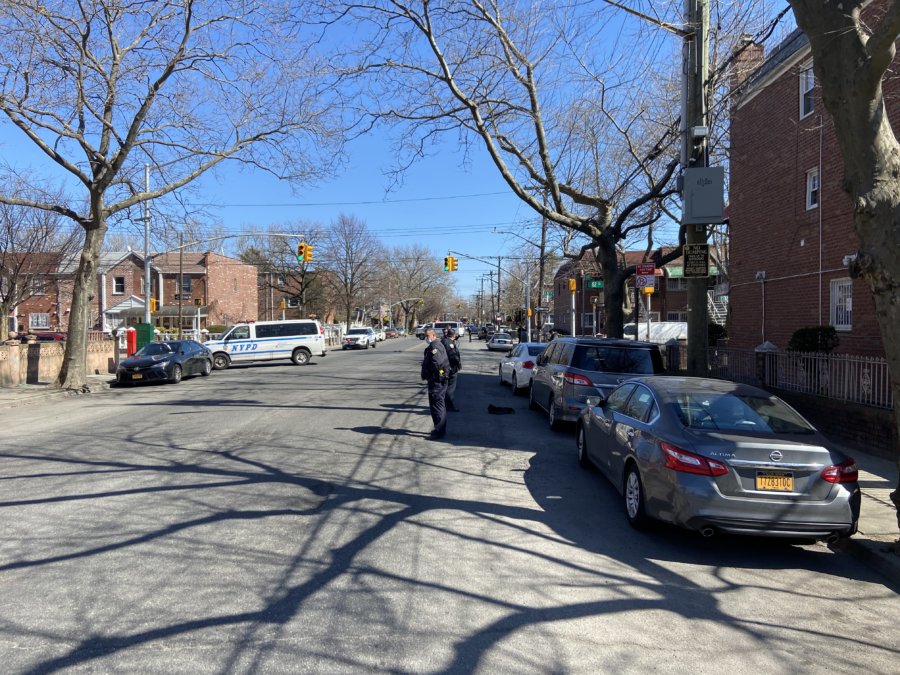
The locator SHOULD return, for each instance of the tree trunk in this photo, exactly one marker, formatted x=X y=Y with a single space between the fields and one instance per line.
x=73 y=373
x=613 y=286
x=850 y=62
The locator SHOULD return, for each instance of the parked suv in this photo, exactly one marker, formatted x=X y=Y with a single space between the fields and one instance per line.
x=571 y=369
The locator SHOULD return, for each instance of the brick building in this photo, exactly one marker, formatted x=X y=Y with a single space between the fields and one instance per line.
x=791 y=223
x=203 y=288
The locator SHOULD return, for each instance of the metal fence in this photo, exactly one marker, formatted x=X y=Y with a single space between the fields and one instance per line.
x=843 y=377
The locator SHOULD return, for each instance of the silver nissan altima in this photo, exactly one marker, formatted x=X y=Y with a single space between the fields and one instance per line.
x=711 y=455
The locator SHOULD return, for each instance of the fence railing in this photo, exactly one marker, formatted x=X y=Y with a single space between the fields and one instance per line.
x=843 y=377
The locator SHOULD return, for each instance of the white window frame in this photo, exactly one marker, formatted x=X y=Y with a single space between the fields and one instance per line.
x=676 y=316
x=587 y=320
x=293 y=301
x=186 y=284
x=676 y=284
x=116 y=285
x=38 y=285
x=813 y=189
x=841 y=304
x=38 y=321
x=807 y=85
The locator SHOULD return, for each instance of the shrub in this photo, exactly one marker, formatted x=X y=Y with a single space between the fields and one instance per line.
x=819 y=339
x=216 y=328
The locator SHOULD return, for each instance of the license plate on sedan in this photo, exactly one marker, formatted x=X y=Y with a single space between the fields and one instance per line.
x=137 y=376
x=776 y=481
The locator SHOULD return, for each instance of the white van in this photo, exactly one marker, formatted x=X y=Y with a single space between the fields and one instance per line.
x=297 y=340
x=458 y=326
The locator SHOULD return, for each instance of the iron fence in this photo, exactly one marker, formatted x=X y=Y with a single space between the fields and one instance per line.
x=843 y=377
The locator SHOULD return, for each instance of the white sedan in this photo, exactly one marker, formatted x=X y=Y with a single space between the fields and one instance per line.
x=516 y=366
x=501 y=342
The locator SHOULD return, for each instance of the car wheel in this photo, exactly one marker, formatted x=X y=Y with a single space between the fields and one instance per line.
x=532 y=404
x=300 y=357
x=581 y=444
x=176 y=374
x=552 y=420
x=515 y=385
x=374 y=344
x=634 y=498
x=500 y=374
x=221 y=361
x=207 y=368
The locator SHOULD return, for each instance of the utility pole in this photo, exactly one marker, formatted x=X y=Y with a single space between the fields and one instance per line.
x=147 y=293
x=695 y=53
x=180 y=280
x=499 y=311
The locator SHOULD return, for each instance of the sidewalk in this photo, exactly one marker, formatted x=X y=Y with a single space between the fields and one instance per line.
x=25 y=394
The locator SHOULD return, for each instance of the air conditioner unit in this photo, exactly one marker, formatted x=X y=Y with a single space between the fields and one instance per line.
x=198 y=301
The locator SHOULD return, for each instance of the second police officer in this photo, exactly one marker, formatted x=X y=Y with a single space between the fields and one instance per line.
x=449 y=342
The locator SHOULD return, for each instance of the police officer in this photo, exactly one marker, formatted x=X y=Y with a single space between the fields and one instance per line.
x=436 y=371
x=449 y=342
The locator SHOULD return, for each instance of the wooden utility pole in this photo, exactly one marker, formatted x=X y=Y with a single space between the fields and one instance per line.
x=694 y=154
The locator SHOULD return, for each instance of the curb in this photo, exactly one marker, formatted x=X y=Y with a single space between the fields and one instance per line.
x=875 y=554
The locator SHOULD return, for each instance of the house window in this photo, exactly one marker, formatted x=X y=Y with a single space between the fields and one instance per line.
x=37 y=286
x=293 y=302
x=186 y=284
x=676 y=316
x=119 y=286
x=587 y=320
x=676 y=284
x=38 y=320
x=807 y=82
x=842 y=304
x=281 y=280
x=812 y=188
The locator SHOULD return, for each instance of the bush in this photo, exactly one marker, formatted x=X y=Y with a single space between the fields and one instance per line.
x=216 y=328
x=818 y=339
x=715 y=332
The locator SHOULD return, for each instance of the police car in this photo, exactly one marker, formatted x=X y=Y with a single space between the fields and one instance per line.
x=298 y=340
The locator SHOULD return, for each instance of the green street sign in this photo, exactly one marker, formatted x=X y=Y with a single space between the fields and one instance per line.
x=595 y=283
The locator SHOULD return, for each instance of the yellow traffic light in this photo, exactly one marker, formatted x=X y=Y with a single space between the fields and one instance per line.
x=309 y=253
x=573 y=285
x=454 y=264
x=447 y=263
x=153 y=304
x=301 y=251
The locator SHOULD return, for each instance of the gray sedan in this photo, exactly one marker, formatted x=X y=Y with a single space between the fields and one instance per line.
x=710 y=455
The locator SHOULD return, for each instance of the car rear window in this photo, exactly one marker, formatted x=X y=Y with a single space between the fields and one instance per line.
x=734 y=412
x=536 y=350
x=609 y=359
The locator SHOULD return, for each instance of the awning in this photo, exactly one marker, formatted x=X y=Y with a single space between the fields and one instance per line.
x=187 y=311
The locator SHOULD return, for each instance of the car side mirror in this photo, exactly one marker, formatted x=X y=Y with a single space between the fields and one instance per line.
x=594 y=401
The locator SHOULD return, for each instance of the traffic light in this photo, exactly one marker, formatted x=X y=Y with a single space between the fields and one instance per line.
x=153 y=304
x=309 y=253
x=454 y=264
x=447 y=263
x=573 y=285
x=301 y=251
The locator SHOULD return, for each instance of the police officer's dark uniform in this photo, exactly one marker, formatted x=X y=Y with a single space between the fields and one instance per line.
x=436 y=371
x=455 y=364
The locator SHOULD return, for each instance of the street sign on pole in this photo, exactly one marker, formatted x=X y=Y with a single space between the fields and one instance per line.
x=642 y=281
x=596 y=284
x=696 y=260
x=645 y=269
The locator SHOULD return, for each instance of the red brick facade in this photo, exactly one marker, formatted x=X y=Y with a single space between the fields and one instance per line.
x=788 y=262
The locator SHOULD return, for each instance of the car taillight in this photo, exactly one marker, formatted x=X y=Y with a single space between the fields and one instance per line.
x=528 y=365
x=578 y=380
x=687 y=462
x=845 y=472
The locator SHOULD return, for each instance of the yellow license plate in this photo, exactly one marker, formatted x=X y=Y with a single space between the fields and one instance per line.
x=778 y=482
x=137 y=376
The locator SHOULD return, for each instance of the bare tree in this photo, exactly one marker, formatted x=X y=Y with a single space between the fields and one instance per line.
x=851 y=56
x=418 y=281
x=33 y=244
x=351 y=255
x=102 y=88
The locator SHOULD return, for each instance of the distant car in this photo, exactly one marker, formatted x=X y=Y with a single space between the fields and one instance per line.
x=500 y=342
x=359 y=338
x=165 y=362
x=380 y=335
x=711 y=455
x=516 y=367
x=43 y=337
x=391 y=333
x=420 y=330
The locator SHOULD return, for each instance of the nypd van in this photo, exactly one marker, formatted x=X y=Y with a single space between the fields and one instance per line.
x=298 y=340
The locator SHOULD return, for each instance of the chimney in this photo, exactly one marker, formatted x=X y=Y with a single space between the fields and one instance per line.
x=749 y=55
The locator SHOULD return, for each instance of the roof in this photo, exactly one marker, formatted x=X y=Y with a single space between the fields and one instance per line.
x=192 y=263
x=771 y=66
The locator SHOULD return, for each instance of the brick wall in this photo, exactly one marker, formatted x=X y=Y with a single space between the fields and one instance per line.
x=773 y=231
x=232 y=290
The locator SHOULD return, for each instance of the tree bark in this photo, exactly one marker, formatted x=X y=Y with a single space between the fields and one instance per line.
x=850 y=59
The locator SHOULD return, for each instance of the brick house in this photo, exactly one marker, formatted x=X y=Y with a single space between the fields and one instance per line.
x=280 y=295
x=214 y=290
x=791 y=223
x=667 y=303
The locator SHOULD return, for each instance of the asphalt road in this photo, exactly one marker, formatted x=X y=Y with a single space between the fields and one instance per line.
x=276 y=518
